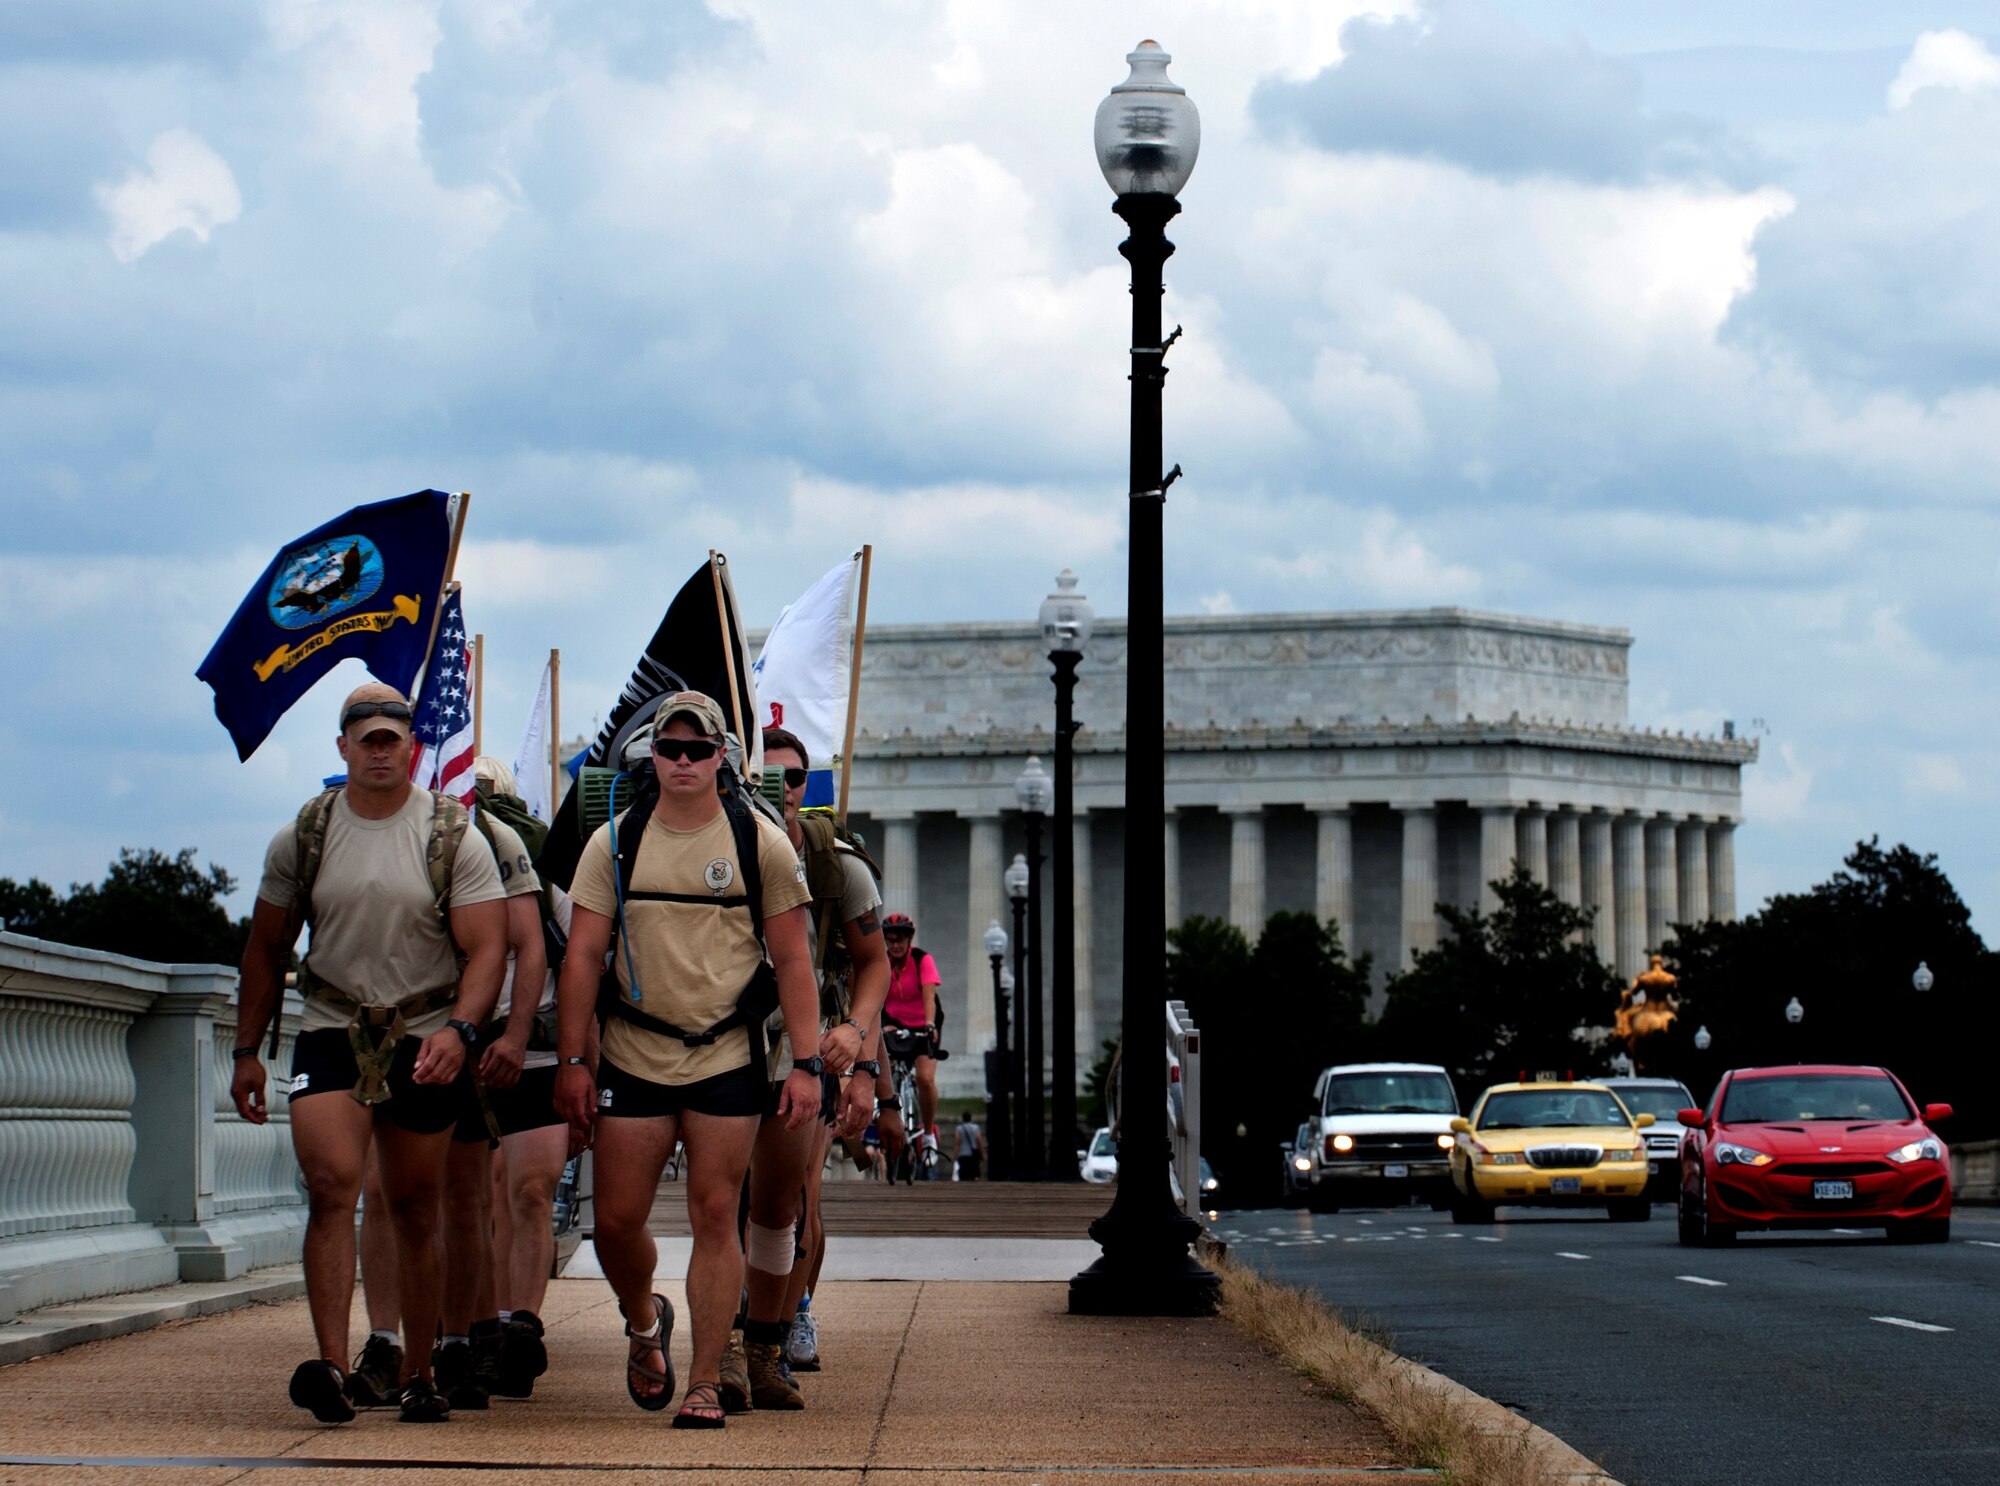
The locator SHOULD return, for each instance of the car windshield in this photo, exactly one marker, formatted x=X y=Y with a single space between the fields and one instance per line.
x=1100 y=1144
x=1390 y=1093
x=1783 y=1097
x=1541 y=1109
x=1662 y=1101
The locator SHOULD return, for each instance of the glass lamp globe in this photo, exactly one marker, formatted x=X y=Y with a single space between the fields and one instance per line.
x=1066 y=617
x=995 y=940
x=1923 y=980
x=1006 y=976
x=1148 y=132
x=1015 y=878
x=1034 y=789
x=1794 y=1012
x=1702 y=1040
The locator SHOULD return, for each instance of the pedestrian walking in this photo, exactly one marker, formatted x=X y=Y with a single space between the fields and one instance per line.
x=969 y=1147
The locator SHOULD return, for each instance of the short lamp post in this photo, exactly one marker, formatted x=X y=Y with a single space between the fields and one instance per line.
x=1015 y=879
x=1032 y=792
x=1066 y=618
x=1147 y=135
x=999 y=1116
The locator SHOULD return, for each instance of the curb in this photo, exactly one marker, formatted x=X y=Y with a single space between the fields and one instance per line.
x=57 y=1328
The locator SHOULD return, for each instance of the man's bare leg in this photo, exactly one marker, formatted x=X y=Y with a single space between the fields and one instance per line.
x=330 y=1135
x=534 y=1167
x=378 y=1252
x=718 y=1153
x=468 y=1236
x=413 y=1181
x=812 y=1231
x=631 y=1154
x=927 y=1096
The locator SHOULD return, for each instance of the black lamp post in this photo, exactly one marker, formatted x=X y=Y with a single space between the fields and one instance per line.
x=1032 y=791
x=1066 y=617
x=1016 y=880
x=999 y=1114
x=1147 y=137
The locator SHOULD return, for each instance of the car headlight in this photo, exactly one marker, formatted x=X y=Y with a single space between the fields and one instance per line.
x=1498 y=1158
x=1211 y=1184
x=1342 y=1142
x=1300 y=1163
x=1930 y=1148
x=1446 y=1142
x=1621 y=1155
x=1739 y=1155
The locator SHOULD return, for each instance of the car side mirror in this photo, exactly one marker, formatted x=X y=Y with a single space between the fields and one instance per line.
x=1692 y=1118
x=1462 y=1125
x=1643 y=1121
x=1935 y=1112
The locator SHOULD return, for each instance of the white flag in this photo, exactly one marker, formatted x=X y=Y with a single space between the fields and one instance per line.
x=531 y=759
x=802 y=672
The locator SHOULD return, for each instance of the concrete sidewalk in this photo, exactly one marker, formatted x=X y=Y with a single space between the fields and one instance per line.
x=948 y=1381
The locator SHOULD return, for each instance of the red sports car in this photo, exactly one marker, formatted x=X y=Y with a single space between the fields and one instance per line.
x=1814 y=1146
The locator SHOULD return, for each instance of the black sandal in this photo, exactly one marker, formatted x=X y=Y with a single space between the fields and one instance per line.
x=701 y=1397
x=642 y=1347
x=319 y=1387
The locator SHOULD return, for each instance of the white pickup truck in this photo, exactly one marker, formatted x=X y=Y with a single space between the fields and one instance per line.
x=1384 y=1135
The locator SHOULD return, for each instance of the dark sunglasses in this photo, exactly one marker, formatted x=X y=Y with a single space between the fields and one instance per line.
x=695 y=750
x=394 y=711
x=796 y=778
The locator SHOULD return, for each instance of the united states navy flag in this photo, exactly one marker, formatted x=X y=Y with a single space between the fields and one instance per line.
x=365 y=584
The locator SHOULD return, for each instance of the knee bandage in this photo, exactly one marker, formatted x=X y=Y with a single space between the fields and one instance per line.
x=770 y=1249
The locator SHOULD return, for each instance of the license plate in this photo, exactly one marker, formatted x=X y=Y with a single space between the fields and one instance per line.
x=1565 y=1186
x=1395 y=1171
x=1833 y=1191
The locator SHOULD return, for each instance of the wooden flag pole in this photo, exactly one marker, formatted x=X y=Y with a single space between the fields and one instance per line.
x=715 y=563
x=555 y=731
x=478 y=694
x=854 y=678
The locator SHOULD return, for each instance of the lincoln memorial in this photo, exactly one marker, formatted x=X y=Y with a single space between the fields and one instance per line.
x=1365 y=767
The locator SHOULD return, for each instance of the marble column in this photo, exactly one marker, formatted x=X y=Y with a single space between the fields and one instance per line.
x=1531 y=843
x=1081 y=898
x=899 y=864
x=1566 y=858
x=1246 y=869
x=1628 y=886
x=1420 y=881
x=1171 y=867
x=1662 y=882
x=1599 y=892
x=1333 y=895
x=1496 y=852
x=985 y=903
x=1722 y=871
x=1691 y=861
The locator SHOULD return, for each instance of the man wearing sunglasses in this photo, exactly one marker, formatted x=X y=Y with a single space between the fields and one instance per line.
x=389 y=1013
x=678 y=1061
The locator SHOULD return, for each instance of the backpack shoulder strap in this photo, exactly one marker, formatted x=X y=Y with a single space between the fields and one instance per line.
x=749 y=861
x=309 y=832
x=449 y=819
x=824 y=878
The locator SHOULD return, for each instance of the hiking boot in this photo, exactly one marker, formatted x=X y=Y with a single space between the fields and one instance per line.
x=735 y=1377
x=316 y=1387
x=377 y=1378
x=456 y=1371
x=523 y=1356
x=422 y=1404
x=486 y=1346
x=771 y=1386
x=802 y=1347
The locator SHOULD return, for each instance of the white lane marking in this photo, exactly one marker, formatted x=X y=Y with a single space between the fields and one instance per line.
x=1366 y=1222
x=1566 y=1254
x=1984 y=1243
x=1912 y=1325
x=1461 y=1235
x=1695 y=1279
x=1850 y=1232
x=1482 y=1238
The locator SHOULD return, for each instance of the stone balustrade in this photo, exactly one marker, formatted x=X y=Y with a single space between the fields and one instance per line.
x=123 y=1164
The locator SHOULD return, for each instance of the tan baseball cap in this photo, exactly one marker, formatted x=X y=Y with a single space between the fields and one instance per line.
x=698 y=707
x=376 y=692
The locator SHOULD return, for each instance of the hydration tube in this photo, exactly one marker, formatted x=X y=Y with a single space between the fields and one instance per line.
x=618 y=888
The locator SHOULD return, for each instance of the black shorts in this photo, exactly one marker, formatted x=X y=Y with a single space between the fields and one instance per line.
x=622 y=1095
x=323 y=1063
x=529 y=1105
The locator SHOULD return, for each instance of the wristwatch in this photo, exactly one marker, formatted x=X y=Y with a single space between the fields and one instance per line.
x=814 y=1065
x=576 y=1062
x=467 y=1032
x=871 y=1066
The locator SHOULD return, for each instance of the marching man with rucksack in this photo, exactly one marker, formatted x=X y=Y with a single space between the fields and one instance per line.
x=409 y=941
x=687 y=894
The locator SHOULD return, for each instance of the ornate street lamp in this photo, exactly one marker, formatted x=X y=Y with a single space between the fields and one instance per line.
x=1702 y=1040
x=1794 y=1012
x=1922 y=980
x=1032 y=792
x=1000 y=1115
x=1015 y=880
x=1066 y=621
x=1147 y=134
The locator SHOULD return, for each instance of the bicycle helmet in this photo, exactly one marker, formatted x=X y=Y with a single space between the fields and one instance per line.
x=899 y=923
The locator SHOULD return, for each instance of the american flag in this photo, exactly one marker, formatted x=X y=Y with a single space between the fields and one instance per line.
x=444 y=711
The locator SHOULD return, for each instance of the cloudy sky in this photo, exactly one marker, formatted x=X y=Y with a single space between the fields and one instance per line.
x=1681 y=317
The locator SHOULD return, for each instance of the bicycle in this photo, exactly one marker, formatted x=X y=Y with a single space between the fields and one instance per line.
x=916 y=1161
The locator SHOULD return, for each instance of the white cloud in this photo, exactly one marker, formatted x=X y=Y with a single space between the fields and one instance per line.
x=1944 y=59
x=1772 y=797
x=1218 y=602
x=185 y=187
x=1934 y=776
x=1386 y=564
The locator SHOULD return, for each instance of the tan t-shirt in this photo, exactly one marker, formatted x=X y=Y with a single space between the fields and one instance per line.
x=858 y=895
x=693 y=958
x=377 y=936
x=517 y=880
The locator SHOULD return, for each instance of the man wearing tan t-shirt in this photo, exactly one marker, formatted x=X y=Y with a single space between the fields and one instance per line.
x=383 y=1040
x=688 y=949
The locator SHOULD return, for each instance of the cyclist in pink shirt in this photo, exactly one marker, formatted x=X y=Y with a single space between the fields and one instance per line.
x=913 y=1003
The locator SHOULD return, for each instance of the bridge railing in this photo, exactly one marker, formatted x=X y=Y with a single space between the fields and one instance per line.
x=1184 y=1105
x=123 y=1164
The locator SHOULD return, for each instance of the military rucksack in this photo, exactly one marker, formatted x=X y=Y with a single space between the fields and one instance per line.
x=827 y=838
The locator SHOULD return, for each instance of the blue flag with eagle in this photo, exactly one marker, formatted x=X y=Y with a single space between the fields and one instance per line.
x=365 y=584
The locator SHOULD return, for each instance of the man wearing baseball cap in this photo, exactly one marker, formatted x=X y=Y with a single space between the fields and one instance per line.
x=688 y=898
x=409 y=941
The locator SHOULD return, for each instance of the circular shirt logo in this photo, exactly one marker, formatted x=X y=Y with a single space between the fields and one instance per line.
x=718 y=874
x=322 y=580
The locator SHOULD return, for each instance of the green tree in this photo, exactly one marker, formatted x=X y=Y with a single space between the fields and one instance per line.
x=1503 y=994
x=150 y=906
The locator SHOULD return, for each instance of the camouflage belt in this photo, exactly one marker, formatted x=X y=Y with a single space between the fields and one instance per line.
x=375 y=1055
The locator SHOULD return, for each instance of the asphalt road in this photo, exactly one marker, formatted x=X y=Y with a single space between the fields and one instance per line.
x=1815 y=1359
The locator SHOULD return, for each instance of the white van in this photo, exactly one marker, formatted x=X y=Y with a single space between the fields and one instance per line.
x=1384 y=1135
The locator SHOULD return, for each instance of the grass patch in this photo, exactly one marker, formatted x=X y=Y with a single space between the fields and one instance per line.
x=1435 y=1425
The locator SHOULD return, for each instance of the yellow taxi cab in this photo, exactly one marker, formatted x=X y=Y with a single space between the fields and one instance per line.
x=1549 y=1144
